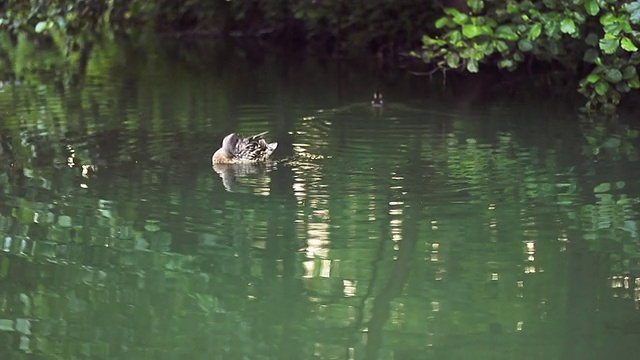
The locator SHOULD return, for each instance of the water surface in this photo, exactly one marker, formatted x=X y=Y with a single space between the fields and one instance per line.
x=447 y=225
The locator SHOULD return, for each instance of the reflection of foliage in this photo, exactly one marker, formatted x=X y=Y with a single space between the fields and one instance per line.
x=611 y=224
x=477 y=167
x=616 y=140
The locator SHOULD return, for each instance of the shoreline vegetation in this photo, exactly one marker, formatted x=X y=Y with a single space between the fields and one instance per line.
x=581 y=46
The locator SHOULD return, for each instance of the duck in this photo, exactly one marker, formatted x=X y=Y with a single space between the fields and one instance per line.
x=377 y=99
x=240 y=150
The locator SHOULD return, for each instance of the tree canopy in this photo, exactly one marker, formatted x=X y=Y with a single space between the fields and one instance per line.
x=594 y=38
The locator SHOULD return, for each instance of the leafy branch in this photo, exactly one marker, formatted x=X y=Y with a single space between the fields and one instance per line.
x=601 y=35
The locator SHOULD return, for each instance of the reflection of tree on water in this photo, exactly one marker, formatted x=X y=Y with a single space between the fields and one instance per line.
x=404 y=254
x=11 y=165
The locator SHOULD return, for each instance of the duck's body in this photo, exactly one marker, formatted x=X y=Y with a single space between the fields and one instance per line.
x=377 y=99
x=238 y=150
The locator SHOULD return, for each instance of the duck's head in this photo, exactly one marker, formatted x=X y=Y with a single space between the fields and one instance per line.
x=229 y=143
x=377 y=99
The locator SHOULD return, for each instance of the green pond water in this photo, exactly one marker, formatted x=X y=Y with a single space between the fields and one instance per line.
x=450 y=224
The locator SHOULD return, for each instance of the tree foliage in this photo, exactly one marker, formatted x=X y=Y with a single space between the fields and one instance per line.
x=335 y=25
x=598 y=38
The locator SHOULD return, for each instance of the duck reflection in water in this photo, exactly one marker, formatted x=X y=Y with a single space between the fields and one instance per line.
x=240 y=156
x=230 y=173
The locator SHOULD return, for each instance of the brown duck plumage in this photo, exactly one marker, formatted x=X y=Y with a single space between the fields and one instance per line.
x=236 y=149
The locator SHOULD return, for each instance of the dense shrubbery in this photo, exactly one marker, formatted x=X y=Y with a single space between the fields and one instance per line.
x=336 y=25
x=594 y=39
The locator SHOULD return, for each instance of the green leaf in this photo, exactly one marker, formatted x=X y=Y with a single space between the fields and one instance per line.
x=590 y=56
x=517 y=56
x=476 y=5
x=623 y=87
x=629 y=72
x=554 y=48
x=485 y=48
x=613 y=75
x=452 y=59
x=506 y=32
x=567 y=26
x=486 y=30
x=470 y=31
x=602 y=87
x=551 y=29
x=442 y=22
x=607 y=19
x=299 y=14
x=428 y=41
x=506 y=64
x=628 y=45
x=460 y=18
x=625 y=26
x=592 y=78
x=578 y=17
x=61 y=22
x=41 y=26
x=525 y=45
x=501 y=46
x=598 y=61
x=592 y=7
x=535 y=31
x=455 y=37
x=612 y=29
x=608 y=46
x=451 y=11
x=472 y=66
x=591 y=39
x=634 y=12
x=613 y=25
